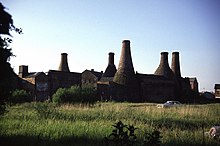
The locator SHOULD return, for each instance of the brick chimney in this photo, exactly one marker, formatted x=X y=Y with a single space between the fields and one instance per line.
x=176 y=64
x=64 y=63
x=23 y=71
x=111 y=69
x=111 y=58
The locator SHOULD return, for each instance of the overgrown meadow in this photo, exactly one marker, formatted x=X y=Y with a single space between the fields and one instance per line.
x=88 y=124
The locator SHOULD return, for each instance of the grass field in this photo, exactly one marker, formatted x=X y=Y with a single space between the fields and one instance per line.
x=84 y=124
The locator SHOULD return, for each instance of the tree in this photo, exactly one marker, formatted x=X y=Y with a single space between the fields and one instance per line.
x=7 y=74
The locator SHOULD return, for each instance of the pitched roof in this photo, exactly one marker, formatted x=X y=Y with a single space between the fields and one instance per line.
x=33 y=74
x=57 y=71
x=95 y=73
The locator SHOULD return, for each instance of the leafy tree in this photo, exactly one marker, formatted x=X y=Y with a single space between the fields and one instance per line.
x=7 y=74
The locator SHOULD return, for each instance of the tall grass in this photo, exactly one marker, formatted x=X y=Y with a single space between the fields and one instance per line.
x=88 y=124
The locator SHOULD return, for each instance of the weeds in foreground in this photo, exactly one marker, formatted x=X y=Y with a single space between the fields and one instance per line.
x=44 y=110
x=153 y=139
x=83 y=124
x=124 y=135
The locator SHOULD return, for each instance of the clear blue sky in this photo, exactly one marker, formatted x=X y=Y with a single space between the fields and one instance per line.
x=89 y=29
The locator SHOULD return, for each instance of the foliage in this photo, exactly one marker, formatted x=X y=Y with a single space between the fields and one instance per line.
x=120 y=136
x=153 y=138
x=74 y=94
x=44 y=110
x=60 y=96
x=20 y=96
x=7 y=73
x=88 y=94
x=124 y=135
x=82 y=124
x=2 y=108
x=63 y=95
x=7 y=22
x=57 y=97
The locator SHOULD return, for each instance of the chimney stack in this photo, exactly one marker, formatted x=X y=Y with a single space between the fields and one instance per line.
x=164 y=69
x=111 y=58
x=64 y=63
x=176 y=64
x=126 y=83
x=111 y=69
x=23 y=71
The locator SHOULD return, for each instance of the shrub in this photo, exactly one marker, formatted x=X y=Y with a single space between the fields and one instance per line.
x=89 y=94
x=19 y=96
x=56 y=99
x=60 y=95
x=74 y=94
x=124 y=135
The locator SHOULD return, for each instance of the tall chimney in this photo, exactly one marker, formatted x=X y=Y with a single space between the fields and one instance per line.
x=164 y=69
x=111 y=69
x=180 y=83
x=176 y=64
x=111 y=58
x=127 y=85
x=64 y=63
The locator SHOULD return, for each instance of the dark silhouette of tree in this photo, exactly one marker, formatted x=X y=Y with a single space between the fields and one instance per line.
x=7 y=75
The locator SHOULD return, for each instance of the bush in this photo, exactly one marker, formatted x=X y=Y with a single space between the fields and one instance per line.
x=74 y=94
x=56 y=99
x=124 y=135
x=19 y=96
x=62 y=95
x=89 y=94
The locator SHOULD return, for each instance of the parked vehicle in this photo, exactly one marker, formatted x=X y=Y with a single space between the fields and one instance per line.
x=169 y=104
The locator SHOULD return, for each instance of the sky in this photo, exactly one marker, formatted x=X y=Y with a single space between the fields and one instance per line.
x=87 y=30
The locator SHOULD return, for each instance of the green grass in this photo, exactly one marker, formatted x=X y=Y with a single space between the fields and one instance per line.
x=85 y=124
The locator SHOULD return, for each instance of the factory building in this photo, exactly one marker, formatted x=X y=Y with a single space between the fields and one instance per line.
x=122 y=84
x=42 y=86
x=165 y=84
